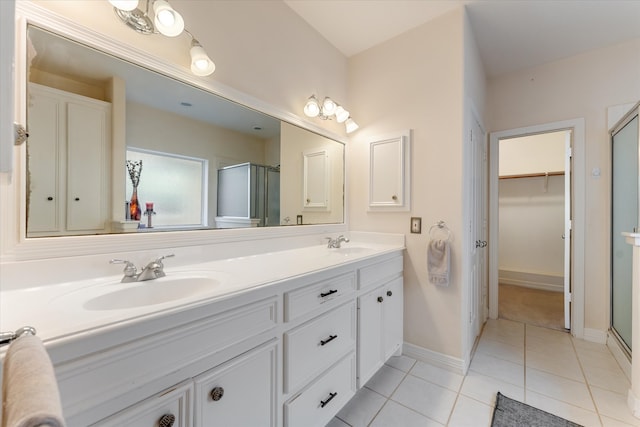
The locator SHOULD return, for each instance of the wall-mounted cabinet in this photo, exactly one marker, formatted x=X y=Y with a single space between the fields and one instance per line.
x=67 y=195
x=390 y=173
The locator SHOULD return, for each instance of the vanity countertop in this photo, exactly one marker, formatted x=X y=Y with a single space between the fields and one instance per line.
x=61 y=310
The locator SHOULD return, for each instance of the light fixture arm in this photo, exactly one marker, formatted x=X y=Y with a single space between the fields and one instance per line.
x=327 y=110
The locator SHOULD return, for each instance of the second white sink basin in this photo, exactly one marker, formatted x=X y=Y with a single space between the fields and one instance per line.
x=151 y=292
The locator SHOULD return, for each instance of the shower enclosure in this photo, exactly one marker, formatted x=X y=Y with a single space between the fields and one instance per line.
x=625 y=141
x=248 y=196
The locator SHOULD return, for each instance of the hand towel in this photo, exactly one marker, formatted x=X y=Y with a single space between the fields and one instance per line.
x=438 y=262
x=29 y=387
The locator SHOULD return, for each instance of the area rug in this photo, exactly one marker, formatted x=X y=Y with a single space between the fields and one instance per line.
x=511 y=413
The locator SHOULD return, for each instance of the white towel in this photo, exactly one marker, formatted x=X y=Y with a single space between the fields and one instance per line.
x=29 y=387
x=438 y=262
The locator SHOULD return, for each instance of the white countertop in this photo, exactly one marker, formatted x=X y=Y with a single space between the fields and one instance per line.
x=60 y=310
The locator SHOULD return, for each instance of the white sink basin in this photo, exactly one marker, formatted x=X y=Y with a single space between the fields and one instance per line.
x=150 y=292
x=349 y=250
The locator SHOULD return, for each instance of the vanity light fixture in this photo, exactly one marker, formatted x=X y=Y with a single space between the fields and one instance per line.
x=163 y=20
x=327 y=110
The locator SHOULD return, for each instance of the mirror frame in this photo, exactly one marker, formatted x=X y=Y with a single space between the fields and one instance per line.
x=15 y=246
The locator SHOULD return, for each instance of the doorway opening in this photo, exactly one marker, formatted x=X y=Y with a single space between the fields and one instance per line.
x=536 y=238
x=533 y=185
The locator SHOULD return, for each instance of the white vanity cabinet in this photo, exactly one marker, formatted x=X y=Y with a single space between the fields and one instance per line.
x=68 y=195
x=380 y=316
x=239 y=393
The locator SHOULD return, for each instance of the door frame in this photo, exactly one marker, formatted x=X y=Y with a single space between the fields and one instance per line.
x=577 y=126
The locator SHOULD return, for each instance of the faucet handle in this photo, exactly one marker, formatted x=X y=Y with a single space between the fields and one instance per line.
x=129 y=269
x=159 y=259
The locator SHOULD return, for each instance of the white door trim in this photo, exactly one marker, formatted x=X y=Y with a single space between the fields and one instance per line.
x=578 y=221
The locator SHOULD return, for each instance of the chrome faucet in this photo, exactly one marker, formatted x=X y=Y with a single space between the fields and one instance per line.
x=151 y=271
x=335 y=243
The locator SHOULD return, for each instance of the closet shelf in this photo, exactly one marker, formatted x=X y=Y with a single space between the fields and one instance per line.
x=532 y=175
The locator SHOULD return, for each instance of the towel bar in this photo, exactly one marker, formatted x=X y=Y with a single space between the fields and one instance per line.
x=8 y=337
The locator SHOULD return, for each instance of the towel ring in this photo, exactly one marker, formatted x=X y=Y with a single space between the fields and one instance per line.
x=8 y=337
x=439 y=226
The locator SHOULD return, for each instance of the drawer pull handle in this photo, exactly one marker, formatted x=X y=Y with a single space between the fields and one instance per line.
x=380 y=299
x=389 y=293
x=167 y=420
x=328 y=340
x=326 y=294
x=217 y=393
x=323 y=403
x=49 y=198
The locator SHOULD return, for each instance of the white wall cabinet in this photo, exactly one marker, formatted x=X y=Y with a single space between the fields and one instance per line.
x=285 y=355
x=316 y=180
x=389 y=173
x=69 y=195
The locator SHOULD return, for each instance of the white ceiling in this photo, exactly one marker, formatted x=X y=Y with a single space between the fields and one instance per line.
x=511 y=34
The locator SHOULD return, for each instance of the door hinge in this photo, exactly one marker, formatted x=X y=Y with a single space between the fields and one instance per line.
x=20 y=133
x=569 y=152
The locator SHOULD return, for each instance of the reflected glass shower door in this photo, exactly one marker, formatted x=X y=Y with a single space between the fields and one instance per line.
x=624 y=213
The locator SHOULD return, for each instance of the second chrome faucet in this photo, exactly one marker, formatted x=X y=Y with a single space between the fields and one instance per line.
x=152 y=270
x=335 y=243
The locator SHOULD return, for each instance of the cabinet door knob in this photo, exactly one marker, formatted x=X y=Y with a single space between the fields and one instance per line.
x=77 y=199
x=167 y=420
x=308 y=200
x=394 y=197
x=217 y=393
x=380 y=299
x=49 y=198
x=389 y=293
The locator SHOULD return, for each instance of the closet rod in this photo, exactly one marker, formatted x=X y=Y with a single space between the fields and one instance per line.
x=532 y=175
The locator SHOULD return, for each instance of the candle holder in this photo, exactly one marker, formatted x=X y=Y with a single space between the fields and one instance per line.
x=149 y=212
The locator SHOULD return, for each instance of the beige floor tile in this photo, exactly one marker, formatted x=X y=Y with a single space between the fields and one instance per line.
x=607 y=378
x=573 y=392
x=386 y=380
x=610 y=422
x=403 y=363
x=497 y=368
x=613 y=405
x=426 y=398
x=501 y=350
x=396 y=415
x=470 y=413
x=484 y=389
x=337 y=422
x=362 y=408
x=566 y=366
x=436 y=375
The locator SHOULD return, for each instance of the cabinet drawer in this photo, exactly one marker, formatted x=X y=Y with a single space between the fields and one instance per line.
x=302 y=301
x=239 y=393
x=322 y=400
x=380 y=272
x=314 y=346
x=175 y=402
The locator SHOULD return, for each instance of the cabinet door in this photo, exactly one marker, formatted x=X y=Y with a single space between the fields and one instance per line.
x=369 y=335
x=86 y=141
x=389 y=175
x=392 y=318
x=316 y=180
x=241 y=392
x=168 y=408
x=43 y=161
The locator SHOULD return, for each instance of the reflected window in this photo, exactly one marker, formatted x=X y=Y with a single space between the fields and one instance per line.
x=176 y=185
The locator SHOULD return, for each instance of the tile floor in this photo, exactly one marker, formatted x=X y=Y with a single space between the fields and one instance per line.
x=548 y=369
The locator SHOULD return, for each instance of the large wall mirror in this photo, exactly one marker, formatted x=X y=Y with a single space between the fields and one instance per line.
x=102 y=129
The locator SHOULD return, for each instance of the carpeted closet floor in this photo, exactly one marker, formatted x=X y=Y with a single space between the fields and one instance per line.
x=531 y=306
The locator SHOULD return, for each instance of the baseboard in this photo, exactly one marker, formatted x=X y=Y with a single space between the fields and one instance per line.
x=619 y=354
x=545 y=282
x=443 y=361
x=595 y=335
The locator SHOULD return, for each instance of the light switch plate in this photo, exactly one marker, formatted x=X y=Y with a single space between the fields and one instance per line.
x=416 y=224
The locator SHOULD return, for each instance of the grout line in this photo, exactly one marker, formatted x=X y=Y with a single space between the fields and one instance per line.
x=586 y=381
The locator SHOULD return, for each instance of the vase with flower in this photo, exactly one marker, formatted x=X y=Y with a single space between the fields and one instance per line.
x=135 y=169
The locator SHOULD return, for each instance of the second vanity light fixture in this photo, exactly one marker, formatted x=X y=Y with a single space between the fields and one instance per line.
x=166 y=21
x=327 y=110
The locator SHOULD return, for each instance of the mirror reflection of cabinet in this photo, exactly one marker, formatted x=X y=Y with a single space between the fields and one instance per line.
x=67 y=196
x=389 y=173
x=316 y=180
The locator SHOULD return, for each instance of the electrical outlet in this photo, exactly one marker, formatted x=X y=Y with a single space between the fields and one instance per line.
x=416 y=224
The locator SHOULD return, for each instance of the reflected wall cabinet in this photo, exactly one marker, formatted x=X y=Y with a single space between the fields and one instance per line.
x=625 y=140
x=389 y=173
x=69 y=194
x=316 y=180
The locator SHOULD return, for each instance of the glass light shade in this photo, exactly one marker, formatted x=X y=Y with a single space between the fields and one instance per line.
x=341 y=114
x=328 y=107
x=312 y=107
x=201 y=64
x=126 y=5
x=167 y=21
x=351 y=125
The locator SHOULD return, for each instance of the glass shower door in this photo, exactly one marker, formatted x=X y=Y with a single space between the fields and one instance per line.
x=624 y=214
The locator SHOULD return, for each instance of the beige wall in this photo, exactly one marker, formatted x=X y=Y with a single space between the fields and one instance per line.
x=580 y=86
x=532 y=154
x=415 y=81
